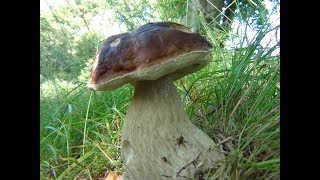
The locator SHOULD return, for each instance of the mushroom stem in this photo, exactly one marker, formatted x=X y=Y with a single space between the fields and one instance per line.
x=159 y=140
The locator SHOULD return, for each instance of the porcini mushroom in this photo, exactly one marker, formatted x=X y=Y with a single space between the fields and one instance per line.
x=158 y=139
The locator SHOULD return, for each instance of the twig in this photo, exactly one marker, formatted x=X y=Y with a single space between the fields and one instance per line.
x=166 y=176
x=188 y=164
x=223 y=141
x=184 y=177
x=218 y=144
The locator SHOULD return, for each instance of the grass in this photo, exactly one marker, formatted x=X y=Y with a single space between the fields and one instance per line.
x=235 y=100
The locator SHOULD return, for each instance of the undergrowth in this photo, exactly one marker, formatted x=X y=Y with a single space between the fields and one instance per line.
x=235 y=100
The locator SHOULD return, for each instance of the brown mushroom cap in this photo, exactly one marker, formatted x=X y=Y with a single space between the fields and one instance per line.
x=148 y=53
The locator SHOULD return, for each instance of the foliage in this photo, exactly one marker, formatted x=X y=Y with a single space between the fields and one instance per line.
x=137 y=12
x=234 y=99
x=55 y=51
x=65 y=47
x=179 y=13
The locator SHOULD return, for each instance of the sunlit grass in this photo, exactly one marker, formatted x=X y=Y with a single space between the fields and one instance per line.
x=64 y=152
x=235 y=100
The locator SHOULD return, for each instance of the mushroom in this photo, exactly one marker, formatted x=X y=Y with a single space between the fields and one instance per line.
x=156 y=125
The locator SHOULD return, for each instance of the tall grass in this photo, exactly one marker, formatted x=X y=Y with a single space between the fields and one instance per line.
x=235 y=100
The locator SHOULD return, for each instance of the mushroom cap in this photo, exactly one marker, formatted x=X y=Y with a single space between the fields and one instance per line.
x=148 y=53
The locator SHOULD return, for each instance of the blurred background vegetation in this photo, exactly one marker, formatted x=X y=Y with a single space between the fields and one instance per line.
x=236 y=97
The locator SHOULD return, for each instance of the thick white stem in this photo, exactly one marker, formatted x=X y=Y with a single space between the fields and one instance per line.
x=158 y=139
